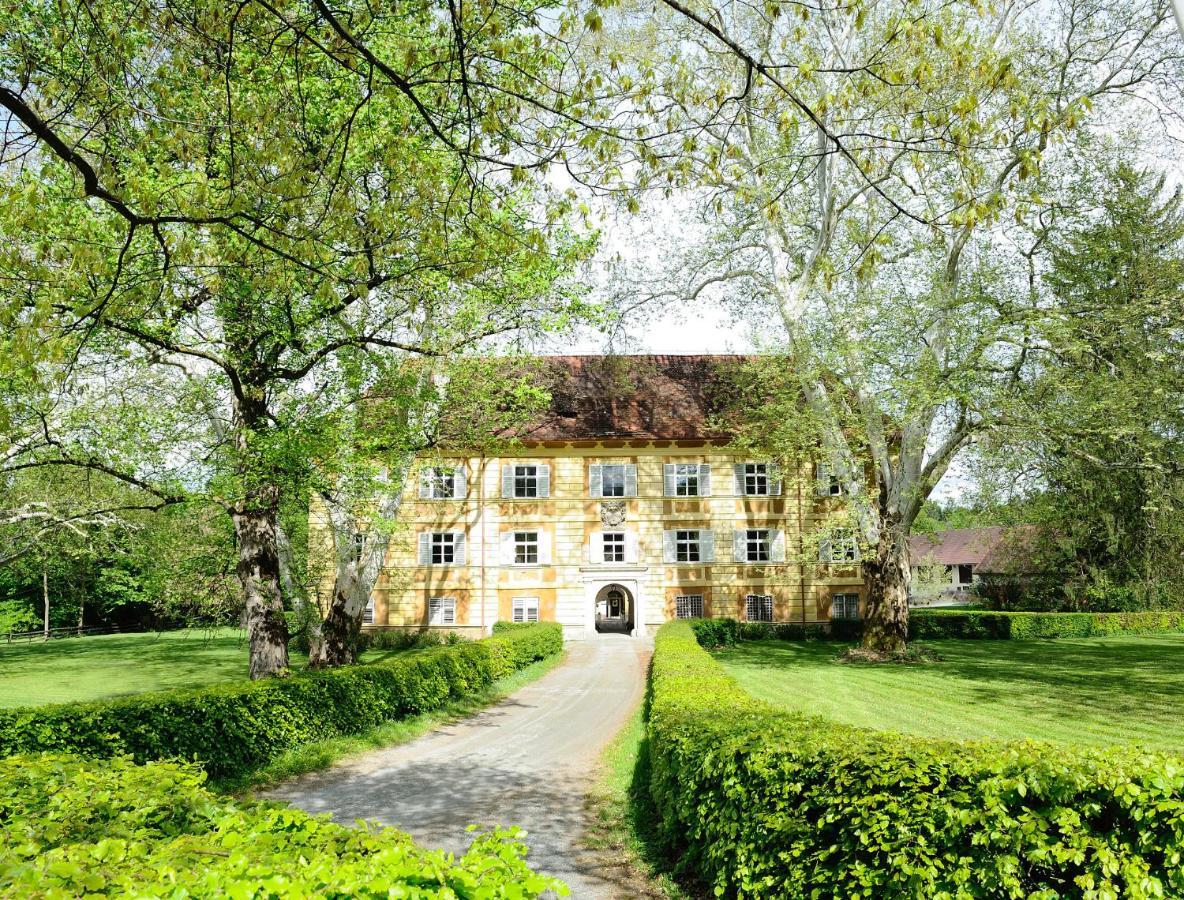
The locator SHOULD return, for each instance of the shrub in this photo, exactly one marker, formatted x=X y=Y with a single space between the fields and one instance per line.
x=937 y=623
x=406 y=639
x=69 y=827
x=233 y=728
x=761 y=802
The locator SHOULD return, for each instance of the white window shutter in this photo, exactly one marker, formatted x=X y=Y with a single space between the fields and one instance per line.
x=707 y=545
x=458 y=548
x=596 y=547
x=425 y=484
x=670 y=483
x=669 y=546
x=774 y=480
x=824 y=550
x=460 y=483
x=777 y=550
x=705 y=480
x=544 y=548
x=425 y=548
x=507 y=480
x=738 y=479
x=631 y=549
x=544 y=480
x=822 y=475
x=630 y=481
x=739 y=553
x=507 y=548
x=595 y=481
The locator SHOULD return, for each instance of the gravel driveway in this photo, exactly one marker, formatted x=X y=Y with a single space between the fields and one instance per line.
x=528 y=761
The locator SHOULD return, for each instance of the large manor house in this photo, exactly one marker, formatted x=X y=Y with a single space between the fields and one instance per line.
x=619 y=510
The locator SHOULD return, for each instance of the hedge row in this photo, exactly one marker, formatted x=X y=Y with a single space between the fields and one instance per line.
x=71 y=828
x=234 y=728
x=760 y=802
x=957 y=623
x=949 y=623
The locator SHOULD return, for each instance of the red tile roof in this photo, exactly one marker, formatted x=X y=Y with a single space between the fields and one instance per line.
x=991 y=549
x=666 y=397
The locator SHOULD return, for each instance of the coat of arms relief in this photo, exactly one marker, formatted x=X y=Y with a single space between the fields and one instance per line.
x=612 y=513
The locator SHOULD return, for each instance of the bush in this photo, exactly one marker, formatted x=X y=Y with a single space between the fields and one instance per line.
x=760 y=802
x=406 y=639
x=938 y=623
x=69 y=828
x=234 y=728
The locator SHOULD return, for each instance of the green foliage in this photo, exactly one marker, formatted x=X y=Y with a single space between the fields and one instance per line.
x=938 y=623
x=763 y=803
x=233 y=728
x=403 y=639
x=70 y=827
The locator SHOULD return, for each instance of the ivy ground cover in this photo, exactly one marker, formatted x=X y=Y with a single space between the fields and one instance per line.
x=1089 y=692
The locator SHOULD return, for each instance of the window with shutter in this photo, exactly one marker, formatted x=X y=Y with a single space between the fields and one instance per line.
x=526 y=480
x=686 y=546
x=756 y=546
x=844 y=606
x=440 y=546
x=525 y=609
x=442 y=611
x=612 y=481
x=688 y=606
x=827 y=481
x=439 y=483
x=683 y=480
x=840 y=546
x=758 y=607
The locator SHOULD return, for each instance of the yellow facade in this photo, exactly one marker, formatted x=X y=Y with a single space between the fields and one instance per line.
x=570 y=577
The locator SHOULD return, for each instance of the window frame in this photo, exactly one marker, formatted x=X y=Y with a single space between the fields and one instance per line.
x=523 y=546
x=624 y=485
x=693 y=471
x=688 y=601
x=687 y=547
x=621 y=543
x=764 y=545
x=524 y=481
x=840 y=548
x=441 y=541
x=845 y=598
x=435 y=478
x=526 y=603
x=750 y=472
x=761 y=600
x=447 y=607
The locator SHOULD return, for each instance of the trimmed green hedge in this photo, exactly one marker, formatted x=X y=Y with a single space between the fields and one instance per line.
x=71 y=828
x=957 y=623
x=760 y=802
x=233 y=728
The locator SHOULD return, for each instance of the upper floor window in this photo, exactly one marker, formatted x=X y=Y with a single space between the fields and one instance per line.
x=441 y=548
x=613 y=546
x=759 y=545
x=757 y=480
x=688 y=606
x=758 y=607
x=614 y=480
x=827 y=481
x=687 y=479
x=442 y=483
x=844 y=606
x=526 y=480
x=688 y=546
x=442 y=611
x=840 y=546
x=526 y=548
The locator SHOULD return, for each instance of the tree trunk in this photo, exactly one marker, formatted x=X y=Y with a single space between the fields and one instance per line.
x=45 y=600
x=886 y=577
x=335 y=641
x=255 y=523
x=81 y=608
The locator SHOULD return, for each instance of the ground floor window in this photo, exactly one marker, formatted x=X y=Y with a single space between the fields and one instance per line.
x=525 y=609
x=758 y=607
x=442 y=611
x=368 y=613
x=844 y=606
x=688 y=606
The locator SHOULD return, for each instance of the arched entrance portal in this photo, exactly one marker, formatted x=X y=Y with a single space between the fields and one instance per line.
x=614 y=610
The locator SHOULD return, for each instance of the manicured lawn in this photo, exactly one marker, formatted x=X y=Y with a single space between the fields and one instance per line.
x=90 y=668
x=1091 y=691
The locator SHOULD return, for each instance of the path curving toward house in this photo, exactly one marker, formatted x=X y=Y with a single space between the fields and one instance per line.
x=528 y=761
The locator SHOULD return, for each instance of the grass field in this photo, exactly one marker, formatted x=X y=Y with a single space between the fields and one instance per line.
x=1095 y=691
x=90 y=668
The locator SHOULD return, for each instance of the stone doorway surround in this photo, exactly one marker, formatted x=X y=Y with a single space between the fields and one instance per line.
x=628 y=578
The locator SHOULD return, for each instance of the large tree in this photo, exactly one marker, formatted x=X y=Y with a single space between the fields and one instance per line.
x=222 y=217
x=855 y=173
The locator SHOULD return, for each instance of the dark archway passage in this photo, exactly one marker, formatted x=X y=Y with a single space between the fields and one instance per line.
x=615 y=610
